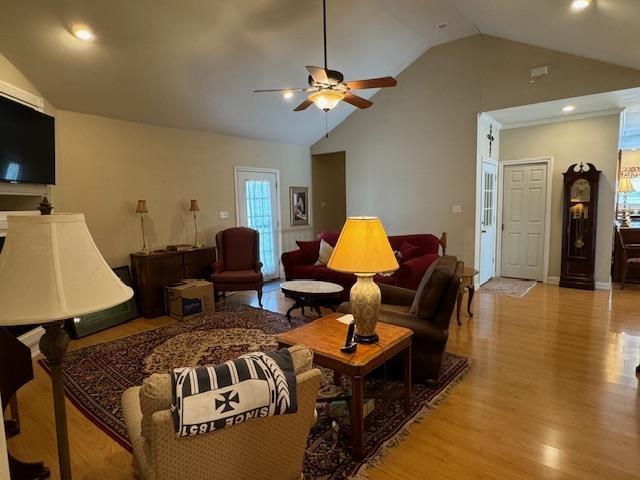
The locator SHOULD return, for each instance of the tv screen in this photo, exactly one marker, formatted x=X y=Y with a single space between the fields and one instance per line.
x=27 y=144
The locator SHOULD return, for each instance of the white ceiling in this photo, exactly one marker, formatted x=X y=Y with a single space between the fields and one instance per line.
x=193 y=63
x=587 y=106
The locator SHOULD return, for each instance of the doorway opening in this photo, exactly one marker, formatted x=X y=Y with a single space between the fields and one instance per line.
x=329 y=191
x=258 y=207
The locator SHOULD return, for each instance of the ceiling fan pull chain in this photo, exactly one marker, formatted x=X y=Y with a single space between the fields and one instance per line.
x=326 y=124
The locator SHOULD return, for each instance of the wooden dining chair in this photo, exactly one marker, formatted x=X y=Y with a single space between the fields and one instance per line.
x=630 y=253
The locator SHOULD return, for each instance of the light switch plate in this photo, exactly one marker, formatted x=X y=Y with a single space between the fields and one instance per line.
x=224 y=214
x=456 y=208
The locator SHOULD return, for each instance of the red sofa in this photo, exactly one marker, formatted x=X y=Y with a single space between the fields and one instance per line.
x=299 y=264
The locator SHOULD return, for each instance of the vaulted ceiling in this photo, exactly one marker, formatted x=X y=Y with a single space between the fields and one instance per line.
x=193 y=64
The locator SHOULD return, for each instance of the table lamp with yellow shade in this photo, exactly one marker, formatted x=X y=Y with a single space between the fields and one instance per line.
x=363 y=249
x=625 y=187
x=50 y=271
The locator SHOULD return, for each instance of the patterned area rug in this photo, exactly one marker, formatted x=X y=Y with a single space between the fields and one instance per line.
x=511 y=287
x=96 y=377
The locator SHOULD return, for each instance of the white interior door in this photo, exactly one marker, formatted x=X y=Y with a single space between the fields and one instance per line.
x=257 y=202
x=488 y=218
x=523 y=218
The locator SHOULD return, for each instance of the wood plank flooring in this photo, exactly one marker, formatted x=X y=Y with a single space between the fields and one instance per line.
x=552 y=394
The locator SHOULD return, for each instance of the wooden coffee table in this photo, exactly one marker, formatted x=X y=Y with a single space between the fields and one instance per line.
x=326 y=335
x=313 y=294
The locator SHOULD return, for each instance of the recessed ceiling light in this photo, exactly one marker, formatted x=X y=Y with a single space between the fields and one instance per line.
x=568 y=108
x=82 y=32
x=442 y=25
x=580 y=4
x=287 y=94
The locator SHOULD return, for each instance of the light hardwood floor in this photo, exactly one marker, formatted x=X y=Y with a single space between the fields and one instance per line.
x=552 y=394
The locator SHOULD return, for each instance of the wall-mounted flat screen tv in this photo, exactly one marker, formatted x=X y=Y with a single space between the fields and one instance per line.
x=27 y=144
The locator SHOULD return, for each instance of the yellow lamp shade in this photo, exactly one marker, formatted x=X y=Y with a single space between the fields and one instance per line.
x=194 y=206
x=363 y=247
x=50 y=269
x=625 y=185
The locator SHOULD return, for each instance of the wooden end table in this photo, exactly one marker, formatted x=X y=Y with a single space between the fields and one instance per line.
x=313 y=294
x=466 y=283
x=326 y=335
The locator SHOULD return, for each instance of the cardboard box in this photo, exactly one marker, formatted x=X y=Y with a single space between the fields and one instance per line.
x=189 y=298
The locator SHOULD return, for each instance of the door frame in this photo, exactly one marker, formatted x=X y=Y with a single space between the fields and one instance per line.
x=548 y=161
x=238 y=169
x=479 y=193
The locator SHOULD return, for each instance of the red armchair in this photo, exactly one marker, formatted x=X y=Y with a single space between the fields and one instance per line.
x=238 y=267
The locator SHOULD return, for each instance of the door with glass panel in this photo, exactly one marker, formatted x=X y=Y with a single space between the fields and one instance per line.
x=257 y=208
x=488 y=221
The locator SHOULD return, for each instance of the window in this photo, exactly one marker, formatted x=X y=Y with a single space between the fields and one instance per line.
x=259 y=215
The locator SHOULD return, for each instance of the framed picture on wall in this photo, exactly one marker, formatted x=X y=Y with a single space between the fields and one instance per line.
x=299 y=197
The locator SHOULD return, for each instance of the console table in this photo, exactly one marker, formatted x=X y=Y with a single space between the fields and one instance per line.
x=154 y=271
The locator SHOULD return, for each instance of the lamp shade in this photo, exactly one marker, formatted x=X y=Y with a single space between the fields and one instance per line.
x=625 y=185
x=142 y=207
x=194 y=206
x=50 y=269
x=363 y=247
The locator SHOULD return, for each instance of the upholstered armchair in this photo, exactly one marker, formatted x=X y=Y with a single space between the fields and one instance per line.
x=250 y=450
x=426 y=311
x=238 y=267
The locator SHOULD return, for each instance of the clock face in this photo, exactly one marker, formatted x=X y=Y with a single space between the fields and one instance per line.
x=580 y=191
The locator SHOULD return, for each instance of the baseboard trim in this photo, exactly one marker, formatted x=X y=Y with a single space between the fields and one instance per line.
x=32 y=340
x=599 y=285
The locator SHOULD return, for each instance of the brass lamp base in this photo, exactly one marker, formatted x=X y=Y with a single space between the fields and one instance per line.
x=365 y=304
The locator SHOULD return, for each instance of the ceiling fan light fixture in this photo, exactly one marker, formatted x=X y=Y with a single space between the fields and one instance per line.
x=326 y=99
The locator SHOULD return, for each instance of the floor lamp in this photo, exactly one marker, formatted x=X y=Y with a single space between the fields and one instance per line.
x=50 y=271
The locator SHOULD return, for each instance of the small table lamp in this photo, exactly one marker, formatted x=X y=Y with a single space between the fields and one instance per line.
x=141 y=208
x=625 y=186
x=51 y=270
x=195 y=209
x=363 y=248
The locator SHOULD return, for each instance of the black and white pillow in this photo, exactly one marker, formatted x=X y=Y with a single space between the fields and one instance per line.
x=255 y=385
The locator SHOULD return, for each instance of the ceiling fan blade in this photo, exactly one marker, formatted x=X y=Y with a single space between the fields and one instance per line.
x=318 y=74
x=303 y=106
x=357 y=101
x=381 y=82
x=282 y=90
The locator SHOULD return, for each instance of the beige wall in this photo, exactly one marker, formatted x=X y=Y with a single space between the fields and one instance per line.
x=593 y=140
x=412 y=155
x=106 y=165
x=329 y=191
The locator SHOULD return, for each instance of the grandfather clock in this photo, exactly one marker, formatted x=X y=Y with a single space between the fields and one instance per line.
x=579 y=226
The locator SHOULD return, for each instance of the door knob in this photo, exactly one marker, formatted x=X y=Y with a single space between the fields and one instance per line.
x=484 y=231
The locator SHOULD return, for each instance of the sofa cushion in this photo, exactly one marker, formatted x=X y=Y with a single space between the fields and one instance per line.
x=325 y=253
x=330 y=237
x=309 y=251
x=433 y=286
x=236 y=276
x=312 y=272
x=155 y=395
x=409 y=251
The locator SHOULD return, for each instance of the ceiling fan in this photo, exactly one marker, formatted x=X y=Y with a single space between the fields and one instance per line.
x=327 y=87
